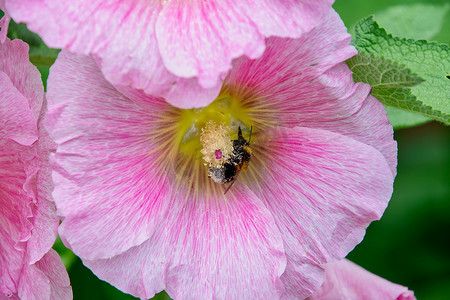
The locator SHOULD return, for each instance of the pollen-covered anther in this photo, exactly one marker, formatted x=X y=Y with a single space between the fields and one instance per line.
x=217 y=145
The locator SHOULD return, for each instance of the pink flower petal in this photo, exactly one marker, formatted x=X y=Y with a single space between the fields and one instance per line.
x=24 y=76
x=369 y=124
x=205 y=48
x=182 y=93
x=28 y=220
x=45 y=220
x=204 y=249
x=47 y=279
x=297 y=90
x=15 y=228
x=301 y=278
x=186 y=93
x=16 y=119
x=55 y=271
x=33 y=284
x=100 y=28
x=288 y=63
x=192 y=39
x=105 y=188
x=22 y=96
x=346 y=280
x=21 y=92
x=224 y=30
x=316 y=91
x=18 y=131
x=323 y=189
x=286 y=18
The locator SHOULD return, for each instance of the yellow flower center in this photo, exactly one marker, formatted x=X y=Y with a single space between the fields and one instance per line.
x=194 y=142
x=224 y=111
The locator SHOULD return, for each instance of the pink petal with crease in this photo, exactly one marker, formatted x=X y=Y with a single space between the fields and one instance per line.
x=186 y=93
x=15 y=228
x=56 y=273
x=346 y=280
x=196 y=40
x=107 y=133
x=24 y=76
x=28 y=220
x=323 y=190
x=17 y=122
x=224 y=249
x=206 y=47
x=45 y=219
x=47 y=279
x=316 y=91
x=224 y=30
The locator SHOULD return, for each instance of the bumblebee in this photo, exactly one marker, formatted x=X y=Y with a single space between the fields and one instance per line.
x=237 y=162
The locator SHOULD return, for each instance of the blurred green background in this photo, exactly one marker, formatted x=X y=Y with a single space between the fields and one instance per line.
x=411 y=243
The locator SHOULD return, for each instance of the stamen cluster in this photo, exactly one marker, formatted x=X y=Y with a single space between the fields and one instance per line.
x=217 y=145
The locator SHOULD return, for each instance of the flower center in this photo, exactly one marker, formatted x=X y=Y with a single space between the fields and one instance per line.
x=208 y=132
x=207 y=147
x=207 y=152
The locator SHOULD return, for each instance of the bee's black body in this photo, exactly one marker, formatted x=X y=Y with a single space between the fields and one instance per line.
x=239 y=160
x=236 y=163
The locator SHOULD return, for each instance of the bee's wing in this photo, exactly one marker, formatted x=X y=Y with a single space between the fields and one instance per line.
x=232 y=182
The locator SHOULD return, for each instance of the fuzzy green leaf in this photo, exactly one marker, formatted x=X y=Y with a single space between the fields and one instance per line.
x=391 y=85
x=416 y=21
x=429 y=61
x=380 y=72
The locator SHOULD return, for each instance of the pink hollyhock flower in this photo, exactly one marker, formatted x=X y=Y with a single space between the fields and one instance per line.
x=29 y=268
x=346 y=280
x=163 y=47
x=139 y=208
